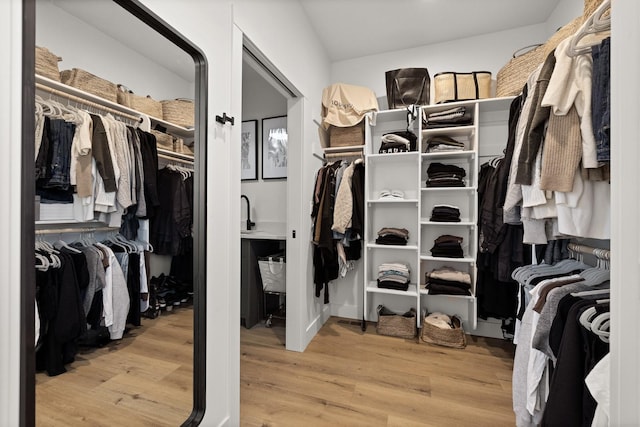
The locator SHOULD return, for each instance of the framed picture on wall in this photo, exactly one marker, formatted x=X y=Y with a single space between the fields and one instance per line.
x=249 y=150
x=274 y=147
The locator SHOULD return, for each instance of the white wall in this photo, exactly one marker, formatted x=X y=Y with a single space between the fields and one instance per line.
x=94 y=51
x=268 y=197
x=565 y=12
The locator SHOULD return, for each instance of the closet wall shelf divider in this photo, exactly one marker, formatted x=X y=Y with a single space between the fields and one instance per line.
x=411 y=290
x=59 y=89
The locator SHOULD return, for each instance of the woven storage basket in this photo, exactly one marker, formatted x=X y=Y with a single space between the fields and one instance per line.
x=450 y=86
x=454 y=337
x=47 y=63
x=144 y=104
x=397 y=325
x=88 y=82
x=346 y=136
x=560 y=35
x=163 y=140
x=590 y=6
x=512 y=77
x=180 y=112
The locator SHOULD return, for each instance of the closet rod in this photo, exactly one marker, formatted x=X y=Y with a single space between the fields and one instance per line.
x=74 y=230
x=175 y=158
x=582 y=249
x=86 y=102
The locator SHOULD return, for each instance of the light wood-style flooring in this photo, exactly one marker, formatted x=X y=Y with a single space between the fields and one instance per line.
x=347 y=378
x=344 y=378
x=143 y=380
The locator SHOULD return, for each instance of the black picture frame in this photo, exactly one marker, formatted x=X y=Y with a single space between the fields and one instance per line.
x=274 y=147
x=249 y=150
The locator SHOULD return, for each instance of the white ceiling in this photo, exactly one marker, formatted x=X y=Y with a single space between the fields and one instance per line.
x=354 y=28
x=347 y=28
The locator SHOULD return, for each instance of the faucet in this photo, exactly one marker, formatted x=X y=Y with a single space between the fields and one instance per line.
x=249 y=222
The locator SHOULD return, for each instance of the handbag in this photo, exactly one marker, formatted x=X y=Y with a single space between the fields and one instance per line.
x=407 y=86
x=451 y=86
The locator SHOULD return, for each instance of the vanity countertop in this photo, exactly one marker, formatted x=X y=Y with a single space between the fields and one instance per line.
x=265 y=231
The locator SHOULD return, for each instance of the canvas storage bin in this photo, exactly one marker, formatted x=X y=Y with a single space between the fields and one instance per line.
x=396 y=325
x=452 y=86
x=273 y=270
x=180 y=112
x=47 y=63
x=143 y=104
x=91 y=83
x=346 y=136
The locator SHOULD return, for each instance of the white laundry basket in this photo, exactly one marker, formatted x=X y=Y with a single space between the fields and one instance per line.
x=273 y=270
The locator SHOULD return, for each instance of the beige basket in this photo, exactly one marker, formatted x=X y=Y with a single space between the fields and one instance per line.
x=346 y=136
x=47 y=63
x=180 y=112
x=454 y=337
x=143 y=104
x=163 y=140
x=590 y=6
x=397 y=325
x=451 y=86
x=88 y=82
x=512 y=77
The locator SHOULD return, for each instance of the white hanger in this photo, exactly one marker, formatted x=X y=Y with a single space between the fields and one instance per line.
x=596 y=23
x=62 y=244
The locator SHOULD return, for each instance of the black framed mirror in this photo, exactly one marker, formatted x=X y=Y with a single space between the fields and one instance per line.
x=199 y=88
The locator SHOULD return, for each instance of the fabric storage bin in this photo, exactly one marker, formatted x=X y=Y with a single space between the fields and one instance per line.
x=91 y=83
x=180 y=112
x=396 y=325
x=47 y=63
x=451 y=86
x=346 y=136
x=454 y=337
x=143 y=104
x=273 y=270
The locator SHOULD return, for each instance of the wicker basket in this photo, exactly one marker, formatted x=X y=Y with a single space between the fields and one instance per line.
x=346 y=136
x=512 y=77
x=47 y=64
x=144 y=104
x=88 y=82
x=396 y=325
x=454 y=337
x=180 y=112
x=590 y=6
x=163 y=140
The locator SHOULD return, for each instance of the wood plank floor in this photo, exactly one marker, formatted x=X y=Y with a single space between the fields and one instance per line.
x=347 y=378
x=143 y=380
x=344 y=378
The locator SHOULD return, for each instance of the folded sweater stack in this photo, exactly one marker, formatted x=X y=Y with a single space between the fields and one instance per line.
x=392 y=236
x=448 y=246
x=441 y=175
x=448 y=281
x=394 y=275
x=443 y=144
x=445 y=213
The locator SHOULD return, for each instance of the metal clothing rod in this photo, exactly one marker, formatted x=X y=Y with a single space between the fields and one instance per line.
x=74 y=230
x=86 y=102
x=597 y=252
x=175 y=159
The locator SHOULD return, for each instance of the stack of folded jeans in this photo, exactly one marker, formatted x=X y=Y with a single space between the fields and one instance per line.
x=448 y=281
x=443 y=143
x=441 y=175
x=394 y=275
x=448 y=246
x=445 y=213
x=393 y=236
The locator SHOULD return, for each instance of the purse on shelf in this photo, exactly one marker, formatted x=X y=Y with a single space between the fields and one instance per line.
x=407 y=86
x=451 y=86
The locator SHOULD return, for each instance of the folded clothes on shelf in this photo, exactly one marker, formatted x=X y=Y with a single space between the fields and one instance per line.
x=448 y=281
x=445 y=213
x=443 y=175
x=448 y=246
x=394 y=275
x=457 y=116
x=392 y=236
x=443 y=144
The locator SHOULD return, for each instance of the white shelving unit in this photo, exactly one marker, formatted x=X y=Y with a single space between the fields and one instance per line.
x=407 y=172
